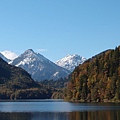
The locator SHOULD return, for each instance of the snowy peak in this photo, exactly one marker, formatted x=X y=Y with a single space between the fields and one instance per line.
x=29 y=51
x=38 y=66
x=29 y=54
x=28 y=57
x=71 y=61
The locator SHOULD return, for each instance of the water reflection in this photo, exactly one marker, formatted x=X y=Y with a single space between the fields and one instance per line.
x=58 y=110
x=95 y=115
x=85 y=115
x=15 y=116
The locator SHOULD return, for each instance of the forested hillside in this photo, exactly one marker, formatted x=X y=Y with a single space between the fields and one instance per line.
x=98 y=79
x=16 y=83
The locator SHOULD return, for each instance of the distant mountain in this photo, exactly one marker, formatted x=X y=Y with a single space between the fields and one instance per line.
x=4 y=58
x=71 y=61
x=39 y=67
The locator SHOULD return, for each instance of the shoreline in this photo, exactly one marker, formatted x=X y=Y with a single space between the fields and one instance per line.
x=90 y=101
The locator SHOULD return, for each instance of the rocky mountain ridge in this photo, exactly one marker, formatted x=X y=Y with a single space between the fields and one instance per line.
x=39 y=67
x=71 y=61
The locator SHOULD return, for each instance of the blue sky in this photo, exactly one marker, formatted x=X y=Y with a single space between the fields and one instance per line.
x=56 y=28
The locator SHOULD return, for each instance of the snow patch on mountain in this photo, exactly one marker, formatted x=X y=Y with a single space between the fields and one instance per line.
x=55 y=74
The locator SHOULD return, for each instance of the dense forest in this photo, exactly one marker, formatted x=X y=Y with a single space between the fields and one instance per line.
x=59 y=86
x=97 y=79
x=16 y=83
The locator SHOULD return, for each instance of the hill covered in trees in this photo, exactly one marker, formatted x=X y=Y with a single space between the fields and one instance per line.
x=97 y=79
x=16 y=83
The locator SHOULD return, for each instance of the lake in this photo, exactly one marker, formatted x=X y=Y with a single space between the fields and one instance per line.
x=58 y=110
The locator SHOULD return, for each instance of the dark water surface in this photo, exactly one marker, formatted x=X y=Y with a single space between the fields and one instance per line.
x=58 y=110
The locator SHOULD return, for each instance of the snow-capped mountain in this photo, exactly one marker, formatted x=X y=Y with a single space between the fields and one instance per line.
x=71 y=61
x=39 y=67
x=4 y=58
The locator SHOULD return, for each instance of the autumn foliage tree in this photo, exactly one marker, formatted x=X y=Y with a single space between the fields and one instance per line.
x=97 y=79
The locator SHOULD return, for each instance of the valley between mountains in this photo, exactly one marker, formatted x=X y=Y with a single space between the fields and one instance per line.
x=51 y=75
x=73 y=78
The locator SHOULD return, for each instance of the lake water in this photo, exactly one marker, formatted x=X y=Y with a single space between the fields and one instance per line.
x=58 y=110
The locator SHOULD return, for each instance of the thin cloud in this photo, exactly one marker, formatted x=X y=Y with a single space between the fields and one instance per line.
x=41 y=50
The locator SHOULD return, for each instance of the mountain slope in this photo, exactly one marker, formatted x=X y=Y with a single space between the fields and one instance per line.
x=10 y=73
x=97 y=79
x=70 y=62
x=4 y=58
x=16 y=83
x=39 y=67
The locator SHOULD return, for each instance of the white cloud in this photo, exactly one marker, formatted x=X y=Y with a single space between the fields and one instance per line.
x=10 y=55
x=42 y=50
